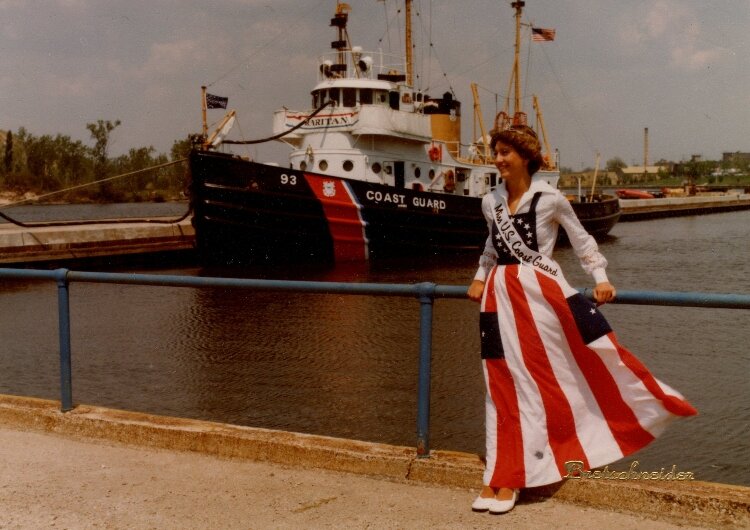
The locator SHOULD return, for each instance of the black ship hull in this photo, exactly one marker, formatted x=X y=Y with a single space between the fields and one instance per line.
x=246 y=212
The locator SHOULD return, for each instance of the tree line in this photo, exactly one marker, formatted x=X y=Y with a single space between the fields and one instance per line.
x=693 y=169
x=46 y=164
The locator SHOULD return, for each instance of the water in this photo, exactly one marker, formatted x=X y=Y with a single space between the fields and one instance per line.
x=344 y=365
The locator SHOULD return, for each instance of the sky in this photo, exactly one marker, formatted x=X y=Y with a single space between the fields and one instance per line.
x=680 y=68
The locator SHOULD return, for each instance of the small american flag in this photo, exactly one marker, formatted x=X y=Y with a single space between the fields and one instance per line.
x=542 y=34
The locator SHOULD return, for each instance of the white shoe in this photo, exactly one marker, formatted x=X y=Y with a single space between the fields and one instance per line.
x=497 y=507
x=482 y=504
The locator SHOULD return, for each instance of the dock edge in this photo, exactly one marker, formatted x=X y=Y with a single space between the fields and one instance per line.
x=694 y=502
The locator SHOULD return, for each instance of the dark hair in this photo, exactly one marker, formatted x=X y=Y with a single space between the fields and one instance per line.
x=524 y=140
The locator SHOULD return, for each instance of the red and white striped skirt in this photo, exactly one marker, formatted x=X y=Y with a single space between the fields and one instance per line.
x=560 y=387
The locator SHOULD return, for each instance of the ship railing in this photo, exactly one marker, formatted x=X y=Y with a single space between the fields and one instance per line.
x=376 y=63
x=426 y=293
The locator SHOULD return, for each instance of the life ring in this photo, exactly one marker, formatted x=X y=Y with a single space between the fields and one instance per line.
x=435 y=153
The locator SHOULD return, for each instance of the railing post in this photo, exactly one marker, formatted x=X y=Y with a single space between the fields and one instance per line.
x=426 y=292
x=63 y=305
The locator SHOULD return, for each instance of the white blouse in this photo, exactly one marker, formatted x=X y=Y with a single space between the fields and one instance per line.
x=552 y=210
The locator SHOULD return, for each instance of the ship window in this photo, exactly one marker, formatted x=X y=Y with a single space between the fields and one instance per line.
x=348 y=165
x=365 y=96
x=334 y=95
x=380 y=96
x=350 y=97
x=432 y=174
x=393 y=100
x=322 y=165
x=316 y=99
x=376 y=167
x=417 y=172
x=490 y=179
x=303 y=165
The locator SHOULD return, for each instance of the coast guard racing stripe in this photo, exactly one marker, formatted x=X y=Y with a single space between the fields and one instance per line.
x=342 y=212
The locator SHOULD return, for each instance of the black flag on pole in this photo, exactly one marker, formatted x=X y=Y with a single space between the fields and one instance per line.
x=216 y=102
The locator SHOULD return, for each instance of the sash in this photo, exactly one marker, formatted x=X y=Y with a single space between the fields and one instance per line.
x=519 y=249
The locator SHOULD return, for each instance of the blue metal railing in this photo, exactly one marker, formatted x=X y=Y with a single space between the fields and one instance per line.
x=425 y=292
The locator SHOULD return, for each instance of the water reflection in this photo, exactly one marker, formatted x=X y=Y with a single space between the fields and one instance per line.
x=345 y=365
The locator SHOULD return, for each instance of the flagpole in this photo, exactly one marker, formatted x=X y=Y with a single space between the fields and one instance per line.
x=205 y=119
x=518 y=5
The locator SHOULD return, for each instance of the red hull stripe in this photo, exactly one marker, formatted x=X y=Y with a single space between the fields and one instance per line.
x=342 y=212
x=561 y=429
x=622 y=421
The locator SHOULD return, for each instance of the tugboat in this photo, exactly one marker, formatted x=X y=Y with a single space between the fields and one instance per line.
x=377 y=169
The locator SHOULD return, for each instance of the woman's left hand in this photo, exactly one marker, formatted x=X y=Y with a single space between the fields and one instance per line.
x=604 y=292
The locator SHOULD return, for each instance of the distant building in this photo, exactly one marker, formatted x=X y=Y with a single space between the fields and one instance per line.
x=736 y=158
x=636 y=173
x=603 y=178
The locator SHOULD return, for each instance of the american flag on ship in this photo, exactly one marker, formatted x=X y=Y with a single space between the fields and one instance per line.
x=542 y=34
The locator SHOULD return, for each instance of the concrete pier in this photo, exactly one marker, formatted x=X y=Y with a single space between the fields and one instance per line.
x=95 y=466
x=642 y=209
x=56 y=244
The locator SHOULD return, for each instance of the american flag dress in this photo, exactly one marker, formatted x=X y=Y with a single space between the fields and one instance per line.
x=559 y=386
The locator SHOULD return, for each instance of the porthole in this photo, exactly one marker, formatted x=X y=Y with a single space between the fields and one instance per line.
x=432 y=174
x=376 y=167
x=322 y=165
x=417 y=172
x=303 y=166
x=348 y=165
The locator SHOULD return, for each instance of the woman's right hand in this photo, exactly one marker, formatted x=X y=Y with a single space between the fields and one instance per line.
x=476 y=289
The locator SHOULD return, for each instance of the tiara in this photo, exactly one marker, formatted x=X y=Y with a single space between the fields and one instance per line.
x=521 y=129
x=517 y=129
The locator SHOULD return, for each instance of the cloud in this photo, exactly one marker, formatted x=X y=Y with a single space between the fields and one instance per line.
x=659 y=18
x=674 y=28
x=688 y=57
x=75 y=4
x=169 y=58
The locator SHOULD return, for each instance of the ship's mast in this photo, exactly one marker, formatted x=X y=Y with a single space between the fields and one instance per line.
x=342 y=43
x=519 y=117
x=505 y=118
x=518 y=6
x=409 y=65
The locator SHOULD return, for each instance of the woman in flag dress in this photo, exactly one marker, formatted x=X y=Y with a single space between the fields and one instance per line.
x=560 y=390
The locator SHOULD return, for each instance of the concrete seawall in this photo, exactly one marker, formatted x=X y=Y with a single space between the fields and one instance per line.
x=643 y=209
x=688 y=502
x=56 y=244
